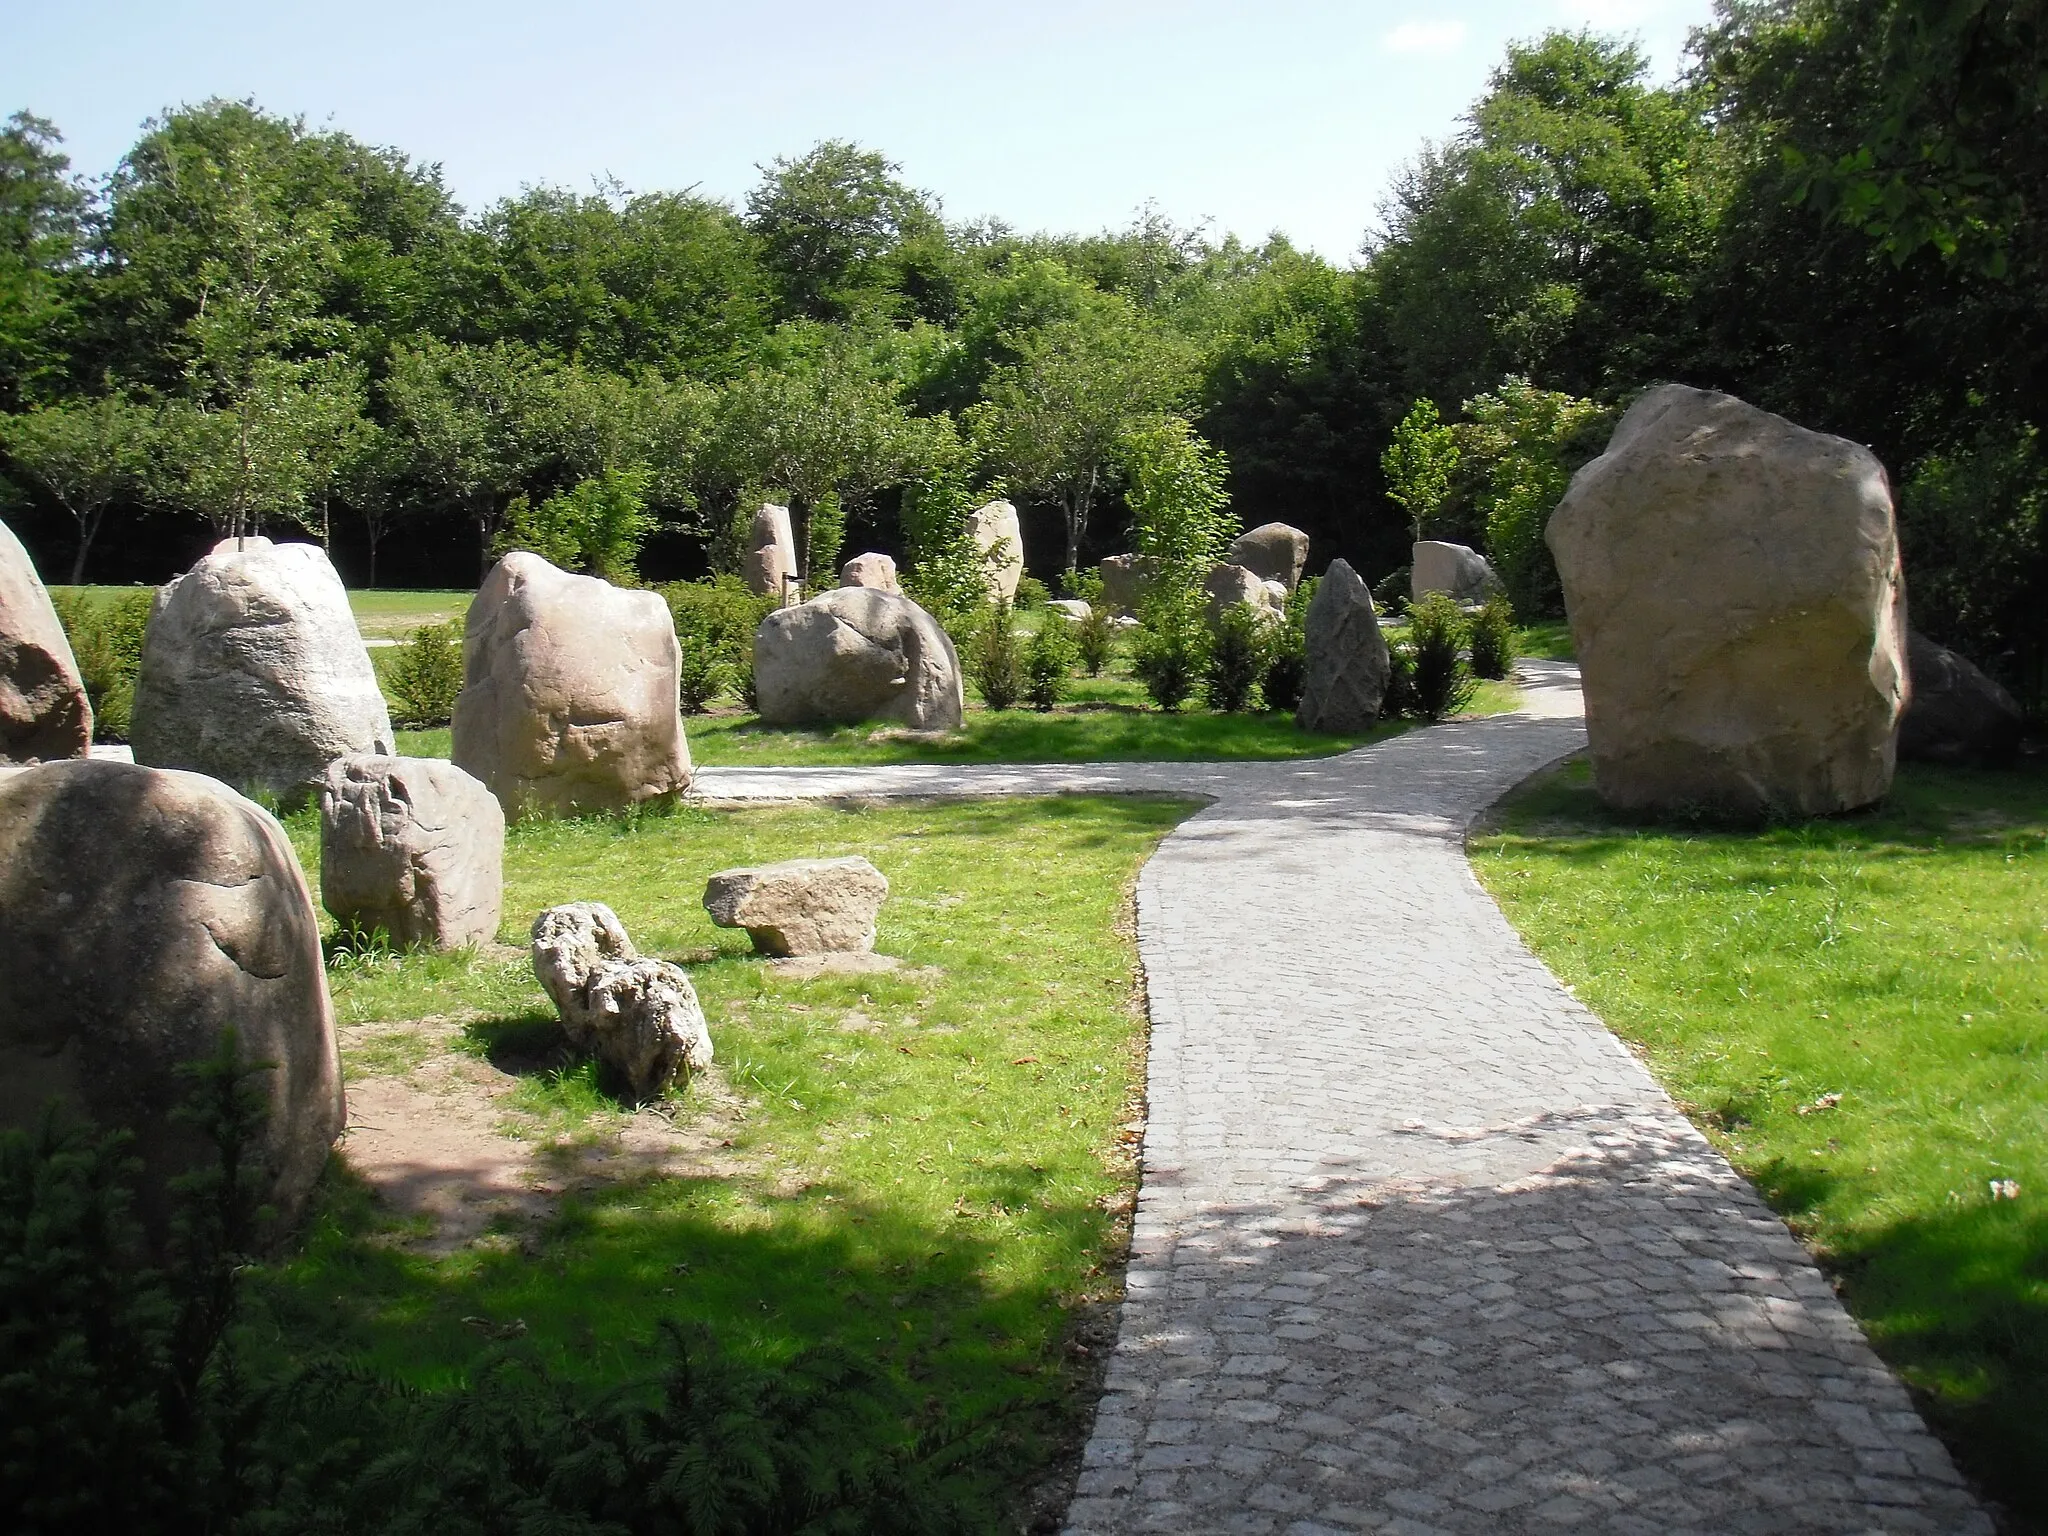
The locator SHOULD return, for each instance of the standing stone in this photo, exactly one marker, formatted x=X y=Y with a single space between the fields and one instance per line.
x=1955 y=714
x=146 y=912
x=997 y=535
x=1348 y=666
x=1124 y=580
x=253 y=671
x=1272 y=552
x=413 y=846
x=857 y=654
x=1229 y=585
x=1736 y=600
x=569 y=697
x=639 y=1015
x=44 y=716
x=1450 y=568
x=870 y=570
x=771 y=552
x=801 y=906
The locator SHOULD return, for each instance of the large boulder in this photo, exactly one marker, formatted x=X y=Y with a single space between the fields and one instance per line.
x=1229 y=585
x=999 y=537
x=414 y=846
x=146 y=912
x=569 y=697
x=44 y=716
x=253 y=671
x=870 y=570
x=1451 y=568
x=1125 y=579
x=1272 y=552
x=1955 y=714
x=639 y=1015
x=770 y=560
x=1736 y=600
x=801 y=906
x=1348 y=667
x=856 y=654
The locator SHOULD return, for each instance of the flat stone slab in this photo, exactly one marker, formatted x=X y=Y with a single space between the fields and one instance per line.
x=1420 y=1247
x=801 y=906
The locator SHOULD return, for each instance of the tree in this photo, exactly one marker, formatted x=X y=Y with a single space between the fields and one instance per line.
x=1419 y=463
x=1054 y=420
x=829 y=223
x=88 y=454
x=1520 y=444
x=42 y=213
x=334 y=432
x=1178 y=502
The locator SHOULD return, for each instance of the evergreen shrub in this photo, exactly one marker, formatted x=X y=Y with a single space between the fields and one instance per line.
x=715 y=621
x=1049 y=662
x=426 y=676
x=996 y=663
x=1238 y=657
x=1493 y=638
x=106 y=641
x=1436 y=634
x=1287 y=668
x=1171 y=651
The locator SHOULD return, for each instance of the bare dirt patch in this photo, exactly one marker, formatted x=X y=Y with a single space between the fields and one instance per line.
x=441 y=1142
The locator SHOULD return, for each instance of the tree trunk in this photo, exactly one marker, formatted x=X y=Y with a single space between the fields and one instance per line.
x=87 y=527
x=370 y=528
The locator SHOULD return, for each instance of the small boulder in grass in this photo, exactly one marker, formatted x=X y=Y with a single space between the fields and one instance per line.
x=801 y=906
x=414 y=846
x=639 y=1015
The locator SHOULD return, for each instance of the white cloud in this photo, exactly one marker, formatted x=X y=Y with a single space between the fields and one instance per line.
x=1424 y=37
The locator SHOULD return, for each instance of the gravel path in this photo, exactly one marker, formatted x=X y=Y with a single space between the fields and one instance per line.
x=1420 y=1247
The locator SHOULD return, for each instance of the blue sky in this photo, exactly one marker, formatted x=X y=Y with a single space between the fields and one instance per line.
x=1053 y=114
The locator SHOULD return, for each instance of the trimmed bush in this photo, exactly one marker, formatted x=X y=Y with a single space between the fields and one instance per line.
x=996 y=664
x=715 y=622
x=1238 y=658
x=423 y=680
x=1436 y=633
x=1287 y=666
x=1493 y=638
x=106 y=640
x=1048 y=662
x=1171 y=652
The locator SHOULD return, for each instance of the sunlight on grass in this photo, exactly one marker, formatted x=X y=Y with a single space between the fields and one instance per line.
x=933 y=1162
x=1855 y=1010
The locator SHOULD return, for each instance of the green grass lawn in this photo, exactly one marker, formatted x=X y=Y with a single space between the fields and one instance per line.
x=392 y=615
x=1855 y=1010
x=934 y=1165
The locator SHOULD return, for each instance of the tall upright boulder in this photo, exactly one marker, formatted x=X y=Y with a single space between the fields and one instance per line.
x=1348 y=666
x=146 y=912
x=771 y=552
x=44 y=716
x=855 y=653
x=1454 y=569
x=998 y=535
x=570 y=693
x=1272 y=552
x=1736 y=599
x=253 y=671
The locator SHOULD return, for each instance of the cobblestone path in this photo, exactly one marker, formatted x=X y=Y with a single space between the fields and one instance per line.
x=1420 y=1247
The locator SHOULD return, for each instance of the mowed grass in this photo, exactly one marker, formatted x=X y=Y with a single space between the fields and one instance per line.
x=930 y=1167
x=1855 y=1010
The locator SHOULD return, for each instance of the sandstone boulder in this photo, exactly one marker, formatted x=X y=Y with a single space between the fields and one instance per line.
x=569 y=697
x=1955 y=713
x=146 y=912
x=857 y=654
x=1736 y=600
x=44 y=716
x=1272 y=552
x=413 y=846
x=1346 y=676
x=1124 y=580
x=1451 y=568
x=640 y=1016
x=253 y=671
x=771 y=552
x=1229 y=585
x=997 y=534
x=870 y=570
x=801 y=906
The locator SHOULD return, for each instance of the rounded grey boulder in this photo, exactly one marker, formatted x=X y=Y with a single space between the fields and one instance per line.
x=253 y=671
x=413 y=846
x=1272 y=552
x=1348 y=666
x=44 y=716
x=570 y=693
x=853 y=654
x=1956 y=714
x=1461 y=572
x=147 y=911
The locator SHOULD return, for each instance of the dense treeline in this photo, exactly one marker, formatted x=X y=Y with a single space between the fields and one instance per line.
x=1837 y=212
